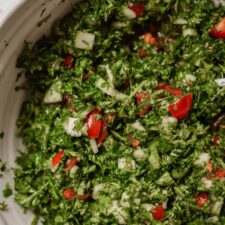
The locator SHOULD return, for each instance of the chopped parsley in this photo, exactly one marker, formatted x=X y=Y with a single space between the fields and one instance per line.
x=124 y=122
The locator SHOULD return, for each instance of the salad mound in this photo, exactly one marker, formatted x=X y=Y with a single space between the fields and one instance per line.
x=124 y=120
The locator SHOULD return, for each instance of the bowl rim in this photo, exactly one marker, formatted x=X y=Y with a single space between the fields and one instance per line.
x=8 y=8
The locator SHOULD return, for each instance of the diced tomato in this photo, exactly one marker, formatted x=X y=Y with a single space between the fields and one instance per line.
x=141 y=97
x=135 y=143
x=149 y=39
x=86 y=75
x=181 y=108
x=103 y=132
x=138 y=8
x=68 y=61
x=69 y=194
x=142 y=53
x=220 y=173
x=219 y=30
x=216 y=141
x=173 y=90
x=161 y=87
x=209 y=167
x=93 y=123
x=70 y=163
x=201 y=199
x=127 y=83
x=83 y=197
x=57 y=158
x=158 y=212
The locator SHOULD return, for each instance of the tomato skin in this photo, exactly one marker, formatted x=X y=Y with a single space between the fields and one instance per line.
x=68 y=61
x=138 y=8
x=103 y=133
x=70 y=163
x=219 y=30
x=57 y=158
x=158 y=212
x=181 y=108
x=69 y=194
x=201 y=199
x=93 y=124
x=140 y=97
x=173 y=90
x=219 y=173
x=149 y=39
x=135 y=143
x=83 y=197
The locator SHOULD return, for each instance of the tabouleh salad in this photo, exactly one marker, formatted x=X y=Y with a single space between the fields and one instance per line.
x=124 y=119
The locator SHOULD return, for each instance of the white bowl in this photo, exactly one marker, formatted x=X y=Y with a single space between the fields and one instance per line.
x=18 y=22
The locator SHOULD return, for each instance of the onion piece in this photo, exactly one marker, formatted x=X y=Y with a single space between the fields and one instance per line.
x=107 y=89
x=129 y=13
x=110 y=75
x=220 y=82
x=94 y=145
x=202 y=159
x=70 y=127
x=180 y=21
x=54 y=95
x=138 y=126
x=84 y=40
x=189 y=32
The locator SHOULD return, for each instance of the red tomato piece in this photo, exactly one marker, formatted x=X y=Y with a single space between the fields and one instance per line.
x=57 y=158
x=142 y=53
x=93 y=123
x=135 y=143
x=158 y=212
x=138 y=8
x=216 y=141
x=103 y=132
x=83 y=197
x=173 y=90
x=149 y=39
x=220 y=173
x=70 y=163
x=181 y=108
x=140 y=97
x=69 y=194
x=68 y=61
x=201 y=199
x=209 y=167
x=219 y=30
x=161 y=87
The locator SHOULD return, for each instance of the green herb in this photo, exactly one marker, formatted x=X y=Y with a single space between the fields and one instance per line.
x=3 y=206
x=7 y=191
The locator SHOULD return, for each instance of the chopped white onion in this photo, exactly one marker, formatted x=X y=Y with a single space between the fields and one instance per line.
x=220 y=82
x=84 y=40
x=137 y=201
x=202 y=159
x=180 y=21
x=97 y=189
x=129 y=13
x=139 y=154
x=110 y=75
x=168 y=121
x=94 y=145
x=109 y=90
x=138 y=126
x=212 y=220
x=208 y=183
x=70 y=127
x=164 y=204
x=126 y=164
x=124 y=202
x=189 y=32
x=148 y=207
x=190 y=77
x=54 y=95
